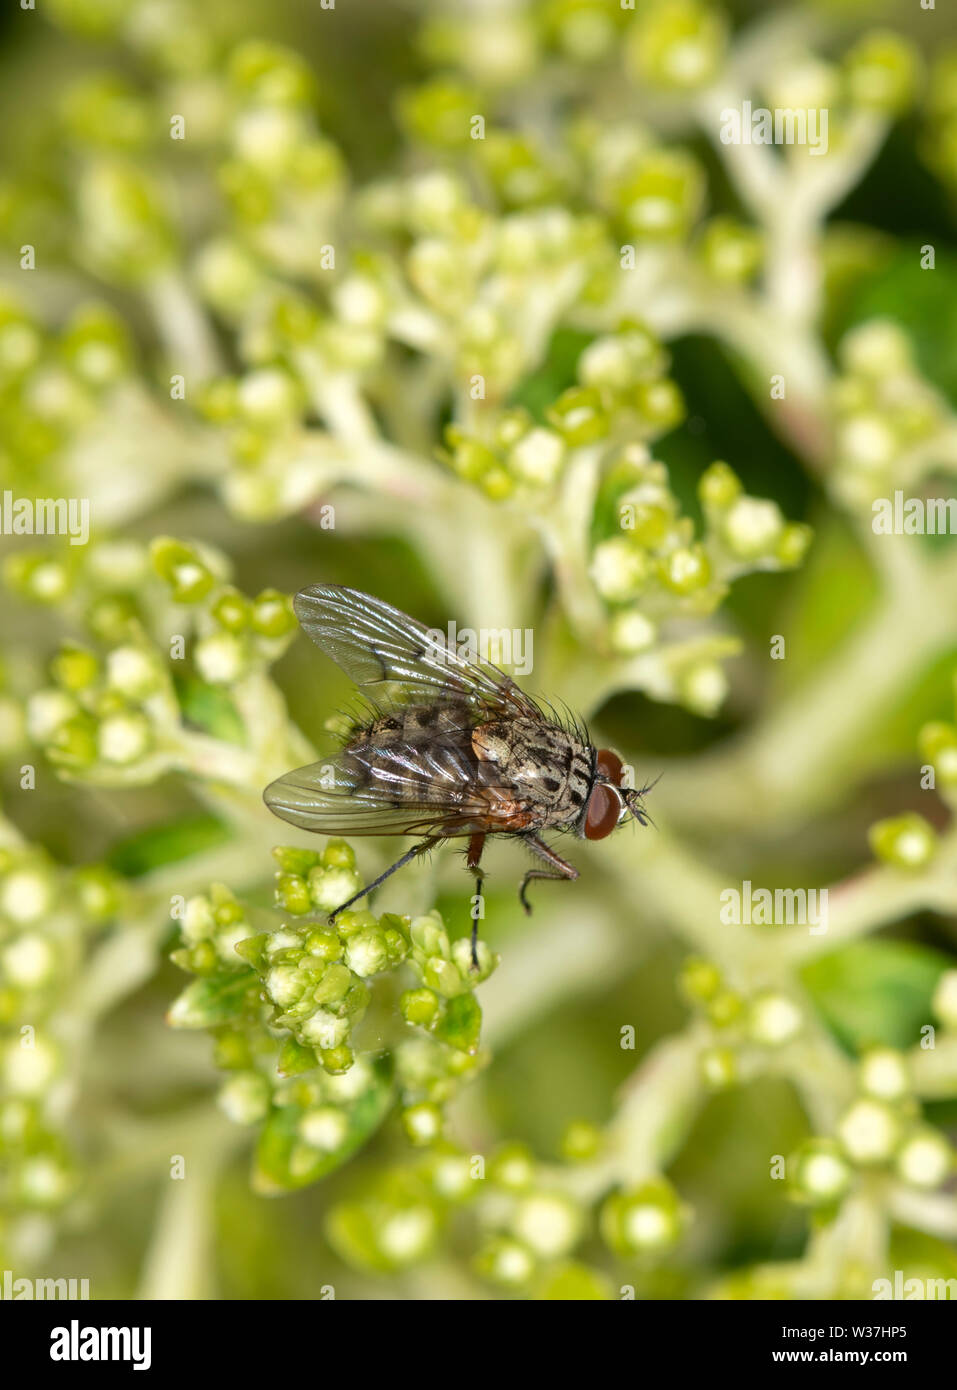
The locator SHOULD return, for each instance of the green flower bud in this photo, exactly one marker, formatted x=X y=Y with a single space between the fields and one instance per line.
x=512 y=1167
x=537 y=457
x=440 y=112
x=793 y=544
x=330 y=888
x=685 y=570
x=269 y=396
x=944 y=1002
x=295 y=861
x=938 y=745
x=124 y=738
x=905 y=842
x=661 y=198
x=106 y=111
x=325 y=1128
x=719 y=486
x=579 y=417
x=324 y=944
x=273 y=617
x=98 y=892
x=268 y=73
x=505 y=1262
x=643 y=1219
x=773 y=1019
x=820 y=1172
x=28 y=961
x=422 y=1123
x=29 y=1071
x=631 y=633
x=699 y=980
x=730 y=250
x=292 y=894
x=187 y=575
x=134 y=672
x=232 y=610
x=620 y=569
x=677 y=44
x=74 y=744
x=75 y=668
x=881 y=71
x=752 y=527
x=367 y=953
x=421 y=1007
x=725 y=1008
x=337 y=1060
x=547 y=1223
x=124 y=220
x=581 y=1141
x=925 y=1160
x=245 y=1098
x=869 y=1132
x=221 y=658
x=719 y=1067
x=703 y=688
x=37 y=577
x=883 y=1074
x=659 y=403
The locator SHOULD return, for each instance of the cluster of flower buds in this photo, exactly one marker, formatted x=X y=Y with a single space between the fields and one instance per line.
x=882 y=1129
x=650 y=568
x=114 y=711
x=286 y=1005
x=887 y=416
x=49 y=920
x=739 y=1025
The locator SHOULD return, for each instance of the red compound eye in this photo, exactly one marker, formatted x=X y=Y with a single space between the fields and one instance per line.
x=604 y=808
x=610 y=766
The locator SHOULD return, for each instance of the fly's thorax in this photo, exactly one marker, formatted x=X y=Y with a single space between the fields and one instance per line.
x=546 y=765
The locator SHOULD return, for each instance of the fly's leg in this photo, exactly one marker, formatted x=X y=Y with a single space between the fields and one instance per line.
x=560 y=868
x=472 y=856
x=421 y=848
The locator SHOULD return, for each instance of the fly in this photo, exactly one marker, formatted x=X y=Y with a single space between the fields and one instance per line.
x=450 y=748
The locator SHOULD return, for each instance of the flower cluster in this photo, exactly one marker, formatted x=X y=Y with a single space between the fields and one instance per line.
x=286 y=1006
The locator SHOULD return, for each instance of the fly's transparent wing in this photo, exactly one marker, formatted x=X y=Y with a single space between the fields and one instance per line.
x=376 y=644
x=405 y=789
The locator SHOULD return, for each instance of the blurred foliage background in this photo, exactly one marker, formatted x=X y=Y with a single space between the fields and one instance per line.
x=320 y=331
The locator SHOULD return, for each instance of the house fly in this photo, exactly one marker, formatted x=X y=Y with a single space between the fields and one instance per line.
x=447 y=747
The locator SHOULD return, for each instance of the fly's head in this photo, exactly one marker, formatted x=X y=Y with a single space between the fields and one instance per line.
x=609 y=802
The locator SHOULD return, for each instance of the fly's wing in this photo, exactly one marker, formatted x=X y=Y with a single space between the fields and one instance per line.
x=408 y=788
x=376 y=644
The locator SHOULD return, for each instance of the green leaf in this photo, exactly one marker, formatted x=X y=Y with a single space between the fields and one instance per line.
x=541 y=388
x=283 y=1162
x=210 y=709
x=294 y=1059
x=461 y=1024
x=167 y=844
x=875 y=992
x=574 y=1282
x=920 y=1256
x=212 y=1002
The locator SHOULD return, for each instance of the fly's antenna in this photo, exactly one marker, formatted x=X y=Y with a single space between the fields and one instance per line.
x=632 y=797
